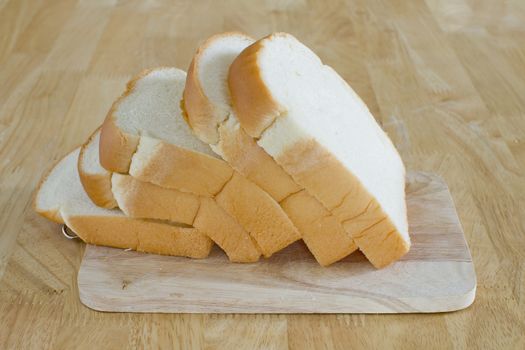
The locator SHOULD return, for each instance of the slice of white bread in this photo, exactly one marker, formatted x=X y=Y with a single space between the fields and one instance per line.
x=147 y=201
x=316 y=127
x=61 y=198
x=145 y=135
x=208 y=108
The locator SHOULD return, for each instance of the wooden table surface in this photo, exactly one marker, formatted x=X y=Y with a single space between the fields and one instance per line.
x=445 y=78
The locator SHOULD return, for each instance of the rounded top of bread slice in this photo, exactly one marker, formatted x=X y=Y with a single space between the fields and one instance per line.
x=206 y=97
x=150 y=107
x=61 y=192
x=89 y=158
x=284 y=95
x=95 y=179
x=157 y=93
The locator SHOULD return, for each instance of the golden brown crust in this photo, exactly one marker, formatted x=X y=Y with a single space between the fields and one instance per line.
x=258 y=213
x=321 y=231
x=97 y=186
x=98 y=189
x=116 y=147
x=150 y=237
x=197 y=109
x=53 y=215
x=175 y=167
x=144 y=200
x=202 y=115
x=249 y=159
x=252 y=101
x=314 y=167
x=226 y=232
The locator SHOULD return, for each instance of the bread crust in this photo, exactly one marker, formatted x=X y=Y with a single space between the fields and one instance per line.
x=252 y=102
x=320 y=230
x=139 y=235
x=53 y=215
x=148 y=201
x=202 y=116
x=314 y=167
x=97 y=186
x=238 y=245
x=145 y=200
x=195 y=108
x=248 y=158
x=116 y=146
x=258 y=213
x=170 y=166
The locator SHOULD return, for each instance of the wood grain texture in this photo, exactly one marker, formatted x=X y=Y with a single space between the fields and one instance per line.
x=444 y=77
x=437 y=274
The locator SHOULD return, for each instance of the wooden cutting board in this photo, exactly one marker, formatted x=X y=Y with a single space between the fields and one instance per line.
x=436 y=275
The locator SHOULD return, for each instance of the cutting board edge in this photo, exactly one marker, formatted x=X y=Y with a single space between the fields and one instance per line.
x=456 y=304
x=439 y=304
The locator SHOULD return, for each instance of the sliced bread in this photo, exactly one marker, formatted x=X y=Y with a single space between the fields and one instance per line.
x=60 y=197
x=315 y=126
x=148 y=201
x=94 y=178
x=207 y=104
x=146 y=135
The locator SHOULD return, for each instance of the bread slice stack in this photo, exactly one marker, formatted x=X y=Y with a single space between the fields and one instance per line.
x=143 y=200
x=208 y=107
x=61 y=198
x=260 y=145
